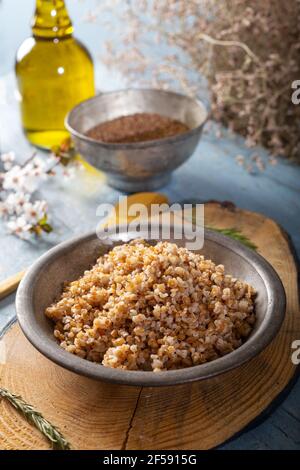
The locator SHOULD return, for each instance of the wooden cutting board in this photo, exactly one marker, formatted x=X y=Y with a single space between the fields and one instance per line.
x=201 y=415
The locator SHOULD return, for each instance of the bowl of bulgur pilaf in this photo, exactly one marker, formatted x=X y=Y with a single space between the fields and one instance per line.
x=148 y=312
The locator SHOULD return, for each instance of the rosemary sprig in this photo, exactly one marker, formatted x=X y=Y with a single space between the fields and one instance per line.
x=232 y=233
x=47 y=429
x=236 y=235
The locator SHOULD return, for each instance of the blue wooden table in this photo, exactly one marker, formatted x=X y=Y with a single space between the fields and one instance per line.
x=211 y=173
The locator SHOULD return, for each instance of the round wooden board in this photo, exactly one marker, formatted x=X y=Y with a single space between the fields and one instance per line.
x=202 y=415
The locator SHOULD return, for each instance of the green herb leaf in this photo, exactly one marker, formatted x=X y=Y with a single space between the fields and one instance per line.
x=47 y=429
x=44 y=225
x=47 y=228
x=232 y=233
x=236 y=235
x=43 y=220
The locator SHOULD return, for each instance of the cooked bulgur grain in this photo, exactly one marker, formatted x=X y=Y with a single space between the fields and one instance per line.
x=161 y=307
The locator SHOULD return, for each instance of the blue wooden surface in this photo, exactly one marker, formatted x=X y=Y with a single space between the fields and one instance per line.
x=211 y=173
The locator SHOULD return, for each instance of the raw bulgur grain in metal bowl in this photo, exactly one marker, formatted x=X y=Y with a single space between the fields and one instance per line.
x=156 y=308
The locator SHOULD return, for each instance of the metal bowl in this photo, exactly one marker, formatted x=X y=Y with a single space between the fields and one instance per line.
x=141 y=166
x=43 y=284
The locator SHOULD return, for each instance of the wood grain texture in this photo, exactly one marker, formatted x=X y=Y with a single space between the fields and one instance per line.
x=197 y=416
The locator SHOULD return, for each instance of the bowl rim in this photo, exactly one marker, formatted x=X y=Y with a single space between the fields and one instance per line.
x=136 y=145
x=268 y=329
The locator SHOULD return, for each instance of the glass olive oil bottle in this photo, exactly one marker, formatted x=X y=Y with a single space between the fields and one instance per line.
x=54 y=73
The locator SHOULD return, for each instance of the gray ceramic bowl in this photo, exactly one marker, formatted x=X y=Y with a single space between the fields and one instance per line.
x=43 y=284
x=141 y=166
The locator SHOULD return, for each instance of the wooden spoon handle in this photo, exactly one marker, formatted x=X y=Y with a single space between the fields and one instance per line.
x=10 y=284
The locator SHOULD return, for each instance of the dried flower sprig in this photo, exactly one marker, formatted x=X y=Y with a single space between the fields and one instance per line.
x=247 y=50
x=36 y=418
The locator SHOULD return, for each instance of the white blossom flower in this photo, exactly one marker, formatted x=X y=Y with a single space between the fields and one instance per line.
x=34 y=212
x=19 y=227
x=16 y=201
x=37 y=168
x=8 y=159
x=24 y=216
x=38 y=162
x=30 y=182
x=13 y=179
x=4 y=211
x=7 y=166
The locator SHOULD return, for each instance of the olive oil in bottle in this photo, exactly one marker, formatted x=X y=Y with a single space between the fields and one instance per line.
x=54 y=73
